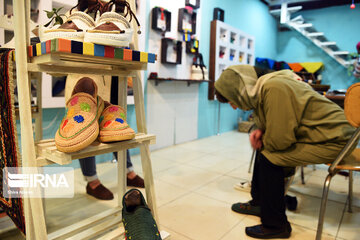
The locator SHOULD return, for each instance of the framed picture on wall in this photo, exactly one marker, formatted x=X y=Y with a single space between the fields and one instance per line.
x=195 y=4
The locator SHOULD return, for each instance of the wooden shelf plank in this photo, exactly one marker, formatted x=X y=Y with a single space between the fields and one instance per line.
x=189 y=81
x=46 y=149
x=84 y=224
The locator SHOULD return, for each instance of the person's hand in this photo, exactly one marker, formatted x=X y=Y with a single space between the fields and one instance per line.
x=256 y=139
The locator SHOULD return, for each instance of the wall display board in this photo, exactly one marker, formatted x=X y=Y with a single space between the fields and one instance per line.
x=228 y=46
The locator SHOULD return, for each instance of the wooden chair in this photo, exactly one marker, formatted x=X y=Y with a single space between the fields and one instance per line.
x=352 y=107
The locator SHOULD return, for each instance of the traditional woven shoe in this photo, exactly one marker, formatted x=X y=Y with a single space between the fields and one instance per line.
x=113 y=28
x=80 y=127
x=137 y=219
x=113 y=126
x=73 y=29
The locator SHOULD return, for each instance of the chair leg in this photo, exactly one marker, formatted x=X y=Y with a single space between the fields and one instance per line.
x=302 y=175
x=350 y=190
x=289 y=181
x=252 y=160
x=323 y=206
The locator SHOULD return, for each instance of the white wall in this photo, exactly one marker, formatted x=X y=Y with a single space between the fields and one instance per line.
x=172 y=107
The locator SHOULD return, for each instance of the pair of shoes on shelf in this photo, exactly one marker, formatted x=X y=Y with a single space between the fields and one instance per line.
x=88 y=117
x=261 y=232
x=137 y=218
x=108 y=27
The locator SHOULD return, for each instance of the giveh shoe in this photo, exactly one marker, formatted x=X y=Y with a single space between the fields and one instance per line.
x=80 y=126
x=77 y=23
x=113 y=126
x=113 y=28
x=259 y=231
x=100 y=192
x=246 y=208
x=137 y=219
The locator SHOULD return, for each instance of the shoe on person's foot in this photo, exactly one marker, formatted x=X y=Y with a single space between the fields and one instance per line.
x=261 y=232
x=137 y=218
x=246 y=208
x=100 y=192
x=135 y=182
x=113 y=125
x=79 y=128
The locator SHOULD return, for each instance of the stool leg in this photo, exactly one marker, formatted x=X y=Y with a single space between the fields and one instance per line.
x=350 y=190
x=302 y=175
x=323 y=206
x=252 y=160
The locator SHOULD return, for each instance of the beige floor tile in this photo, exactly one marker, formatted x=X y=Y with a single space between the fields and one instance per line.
x=199 y=217
x=349 y=228
x=201 y=147
x=222 y=189
x=307 y=214
x=166 y=193
x=174 y=235
x=241 y=172
x=187 y=177
x=241 y=154
x=215 y=163
x=178 y=154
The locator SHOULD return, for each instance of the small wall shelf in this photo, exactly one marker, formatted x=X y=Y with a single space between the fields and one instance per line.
x=171 y=51
x=187 y=21
x=161 y=19
x=189 y=81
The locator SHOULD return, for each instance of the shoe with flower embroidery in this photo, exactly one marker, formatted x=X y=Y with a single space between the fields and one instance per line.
x=113 y=126
x=80 y=126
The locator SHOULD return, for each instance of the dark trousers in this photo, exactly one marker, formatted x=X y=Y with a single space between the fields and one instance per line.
x=267 y=190
x=88 y=165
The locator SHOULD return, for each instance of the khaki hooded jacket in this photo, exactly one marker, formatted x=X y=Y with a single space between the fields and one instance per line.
x=300 y=126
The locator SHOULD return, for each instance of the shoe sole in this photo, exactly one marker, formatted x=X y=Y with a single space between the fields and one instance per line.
x=108 y=39
x=76 y=36
x=116 y=138
x=282 y=235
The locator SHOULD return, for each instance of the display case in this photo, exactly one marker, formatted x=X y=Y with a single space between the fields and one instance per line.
x=171 y=51
x=228 y=46
x=161 y=19
x=187 y=21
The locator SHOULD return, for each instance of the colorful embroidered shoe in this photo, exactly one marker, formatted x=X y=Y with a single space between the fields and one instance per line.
x=80 y=126
x=137 y=219
x=113 y=126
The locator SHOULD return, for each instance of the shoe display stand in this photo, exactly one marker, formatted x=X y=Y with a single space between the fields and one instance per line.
x=43 y=152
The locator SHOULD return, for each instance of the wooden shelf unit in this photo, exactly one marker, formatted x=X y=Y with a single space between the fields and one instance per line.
x=44 y=152
x=228 y=46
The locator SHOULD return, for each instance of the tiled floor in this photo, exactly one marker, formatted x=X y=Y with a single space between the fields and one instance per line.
x=194 y=190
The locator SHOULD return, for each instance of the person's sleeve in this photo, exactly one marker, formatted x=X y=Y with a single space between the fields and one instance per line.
x=281 y=119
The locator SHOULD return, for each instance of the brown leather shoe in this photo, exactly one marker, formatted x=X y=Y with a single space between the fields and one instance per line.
x=135 y=182
x=100 y=192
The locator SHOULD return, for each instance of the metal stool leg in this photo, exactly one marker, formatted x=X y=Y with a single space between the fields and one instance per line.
x=350 y=190
x=302 y=175
x=323 y=206
x=252 y=160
